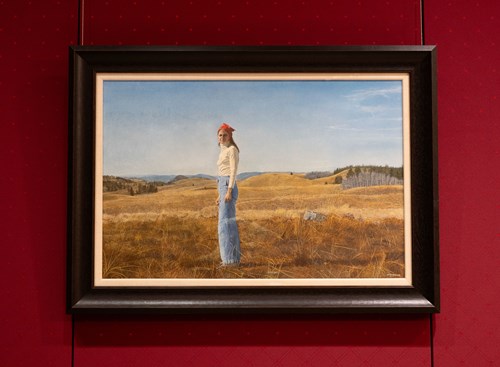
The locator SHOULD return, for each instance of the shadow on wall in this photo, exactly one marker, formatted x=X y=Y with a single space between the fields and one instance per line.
x=272 y=330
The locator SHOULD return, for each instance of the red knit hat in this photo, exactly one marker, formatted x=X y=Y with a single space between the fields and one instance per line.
x=226 y=127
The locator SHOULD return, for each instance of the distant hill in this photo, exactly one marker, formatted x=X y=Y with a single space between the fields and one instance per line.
x=331 y=177
x=170 y=178
x=276 y=179
x=153 y=178
x=202 y=175
x=245 y=175
x=317 y=174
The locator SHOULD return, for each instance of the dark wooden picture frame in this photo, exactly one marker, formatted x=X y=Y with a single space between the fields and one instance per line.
x=418 y=62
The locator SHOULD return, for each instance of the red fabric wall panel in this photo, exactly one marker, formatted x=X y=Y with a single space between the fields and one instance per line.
x=34 y=36
x=252 y=22
x=253 y=341
x=469 y=152
x=371 y=341
x=34 y=39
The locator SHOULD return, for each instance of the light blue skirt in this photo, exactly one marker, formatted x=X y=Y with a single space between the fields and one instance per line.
x=229 y=238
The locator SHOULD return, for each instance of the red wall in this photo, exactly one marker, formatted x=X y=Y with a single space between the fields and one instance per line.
x=34 y=36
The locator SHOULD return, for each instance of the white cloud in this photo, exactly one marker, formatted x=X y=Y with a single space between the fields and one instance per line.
x=363 y=95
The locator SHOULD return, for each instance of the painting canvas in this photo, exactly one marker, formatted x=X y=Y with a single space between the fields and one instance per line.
x=323 y=179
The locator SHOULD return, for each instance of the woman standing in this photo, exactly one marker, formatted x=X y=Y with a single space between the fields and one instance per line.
x=229 y=238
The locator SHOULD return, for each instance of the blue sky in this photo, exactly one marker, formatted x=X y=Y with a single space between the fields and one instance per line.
x=169 y=127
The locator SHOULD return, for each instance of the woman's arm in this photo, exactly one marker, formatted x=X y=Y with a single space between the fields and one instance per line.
x=233 y=165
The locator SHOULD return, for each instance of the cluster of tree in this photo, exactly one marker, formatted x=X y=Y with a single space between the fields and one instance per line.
x=112 y=183
x=146 y=188
x=369 y=178
x=396 y=172
x=132 y=186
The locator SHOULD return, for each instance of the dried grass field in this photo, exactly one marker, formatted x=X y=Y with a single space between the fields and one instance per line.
x=173 y=233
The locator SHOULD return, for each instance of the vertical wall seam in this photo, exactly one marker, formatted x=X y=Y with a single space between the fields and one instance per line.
x=79 y=34
x=431 y=316
x=72 y=340
x=422 y=23
x=81 y=14
x=431 y=323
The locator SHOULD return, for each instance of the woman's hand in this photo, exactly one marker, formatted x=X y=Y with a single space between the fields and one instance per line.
x=229 y=195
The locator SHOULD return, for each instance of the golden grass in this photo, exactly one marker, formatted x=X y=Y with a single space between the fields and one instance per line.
x=173 y=233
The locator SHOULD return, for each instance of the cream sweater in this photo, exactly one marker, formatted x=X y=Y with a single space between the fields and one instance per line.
x=227 y=163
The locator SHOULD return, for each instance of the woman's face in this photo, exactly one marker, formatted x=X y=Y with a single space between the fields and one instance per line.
x=223 y=137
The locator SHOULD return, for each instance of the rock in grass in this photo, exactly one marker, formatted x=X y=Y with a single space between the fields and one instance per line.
x=314 y=216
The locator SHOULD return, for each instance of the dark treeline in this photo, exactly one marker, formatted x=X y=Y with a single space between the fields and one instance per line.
x=396 y=172
x=143 y=188
x=361 y=176
x=369 y=178
x=133 y=186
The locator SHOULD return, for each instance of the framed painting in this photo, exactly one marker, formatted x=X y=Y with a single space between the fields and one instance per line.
x=253 y=179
